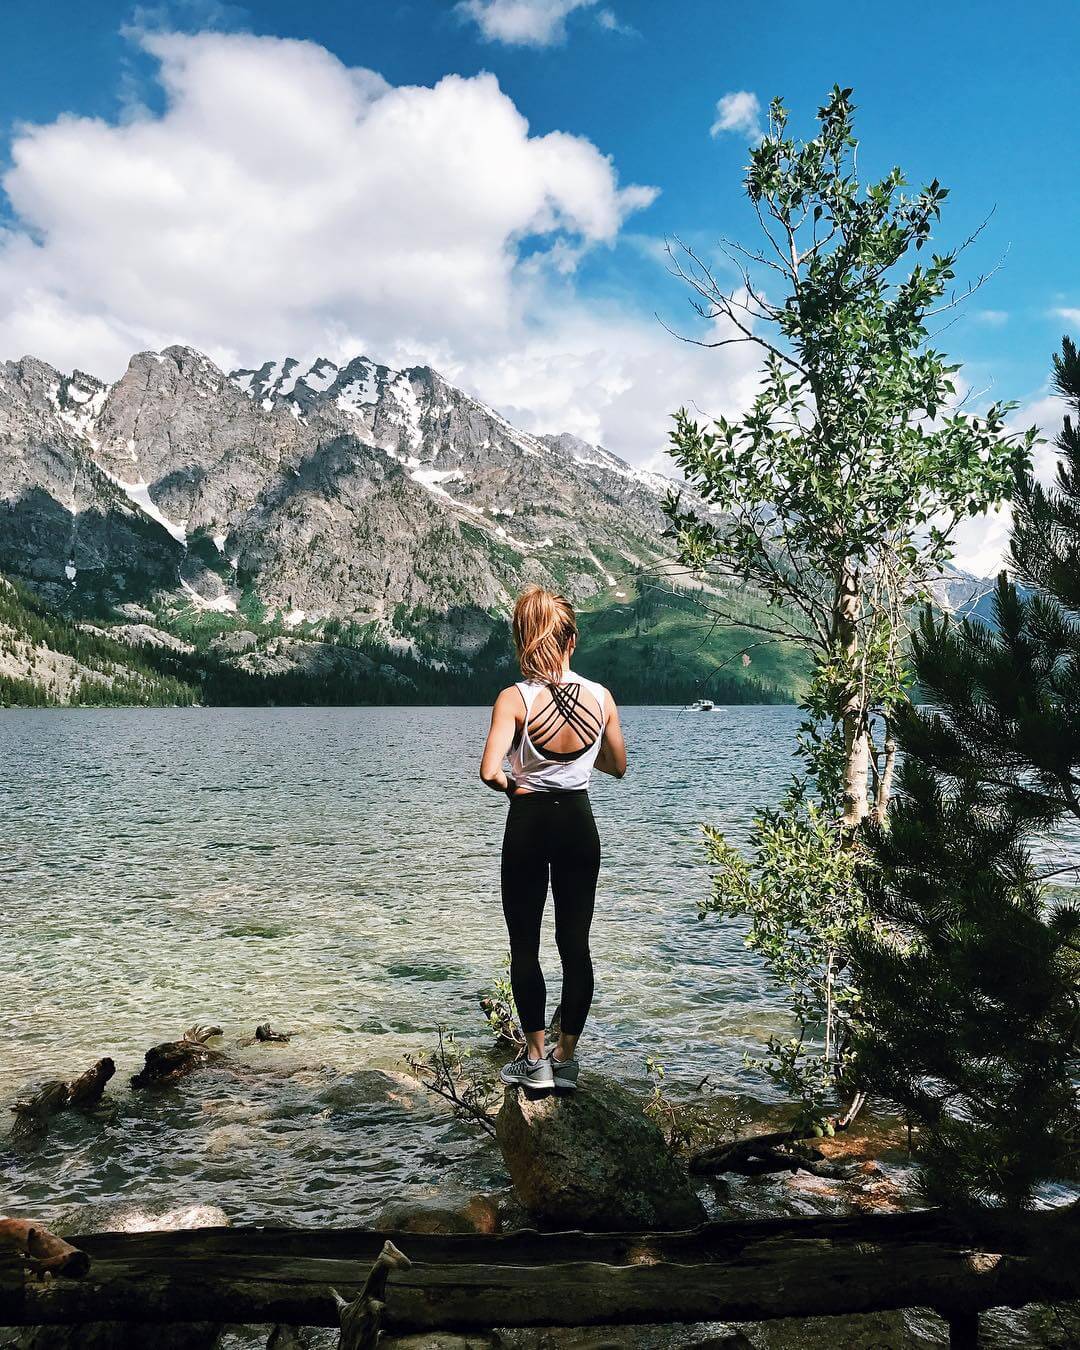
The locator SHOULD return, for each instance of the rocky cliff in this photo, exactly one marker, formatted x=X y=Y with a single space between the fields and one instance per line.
x=353 y=493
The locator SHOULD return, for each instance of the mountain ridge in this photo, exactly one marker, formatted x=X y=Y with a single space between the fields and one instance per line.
x=273 y=463
x=254 y=513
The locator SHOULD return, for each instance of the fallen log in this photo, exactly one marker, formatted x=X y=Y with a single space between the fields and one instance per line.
x=753 y=1162
x=766 y=1152
x=32 y=1113
x=42 y=1251
x=172 y=1060
x=728 y=1271
x=734 y=1157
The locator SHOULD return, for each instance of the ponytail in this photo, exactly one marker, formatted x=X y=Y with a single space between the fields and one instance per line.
x=544 y=623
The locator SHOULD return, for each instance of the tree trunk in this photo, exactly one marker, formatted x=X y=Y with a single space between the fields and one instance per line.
x=884 y=787
x=847 y=611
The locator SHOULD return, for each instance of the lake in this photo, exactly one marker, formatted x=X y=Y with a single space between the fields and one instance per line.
x=334 y=871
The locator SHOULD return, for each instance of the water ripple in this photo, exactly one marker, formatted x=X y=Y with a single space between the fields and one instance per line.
x=336 y=872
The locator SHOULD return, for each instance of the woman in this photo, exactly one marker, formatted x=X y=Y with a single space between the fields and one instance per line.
x=553 y=727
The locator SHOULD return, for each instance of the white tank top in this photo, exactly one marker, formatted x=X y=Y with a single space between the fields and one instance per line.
x=548 y=771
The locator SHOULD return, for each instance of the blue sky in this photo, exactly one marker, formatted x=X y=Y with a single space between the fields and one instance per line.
x=981 y=96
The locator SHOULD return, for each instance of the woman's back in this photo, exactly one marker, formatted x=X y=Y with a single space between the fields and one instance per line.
x=561 y=732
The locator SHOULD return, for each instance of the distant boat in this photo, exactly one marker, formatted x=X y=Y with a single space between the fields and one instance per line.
x=702 y=705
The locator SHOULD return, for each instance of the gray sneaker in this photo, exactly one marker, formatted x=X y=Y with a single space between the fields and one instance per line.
x=563 y=1071
x=530 y=1073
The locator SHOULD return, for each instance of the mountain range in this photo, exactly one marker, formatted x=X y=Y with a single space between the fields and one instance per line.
x=354 y=492
x=315 y=531
x=258 y=513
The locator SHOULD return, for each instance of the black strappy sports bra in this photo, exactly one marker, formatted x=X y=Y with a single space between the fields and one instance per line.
x=575 y=703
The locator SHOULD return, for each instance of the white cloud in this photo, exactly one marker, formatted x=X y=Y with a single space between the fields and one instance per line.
x=1069 y=315
x=607 y=18
x=739 y=112
x=982 y=541
x=614 y=380
x=526 y=23
x=991 y=318
x=282 y=203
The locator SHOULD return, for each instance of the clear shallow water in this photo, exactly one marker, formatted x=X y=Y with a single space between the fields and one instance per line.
x=334 y=871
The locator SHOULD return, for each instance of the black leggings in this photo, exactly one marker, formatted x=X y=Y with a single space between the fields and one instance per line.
x=550 y=833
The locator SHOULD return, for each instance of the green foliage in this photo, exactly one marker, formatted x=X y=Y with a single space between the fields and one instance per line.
x=676 y=654
x=251 y=607
x=498 y=1007
x=676 y=659
x=970 y=970
x=848 y=466
x=449 y=1071
x=115 y=674
x=798 y=893
x=688 y=1124
x=836 y=497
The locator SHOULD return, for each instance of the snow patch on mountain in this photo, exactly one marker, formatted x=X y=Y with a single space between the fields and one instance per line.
x=78 y=400
x=221 y=604
x=321 y=376
x=360 y=392
x=596 y=457
x=139 y=495
x=290 y=373
x=407 y=414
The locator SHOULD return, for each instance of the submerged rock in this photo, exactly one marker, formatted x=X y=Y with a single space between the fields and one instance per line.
x=591 y=1159
x=469 y=1214
x=120 y=1336
x=132 y=1216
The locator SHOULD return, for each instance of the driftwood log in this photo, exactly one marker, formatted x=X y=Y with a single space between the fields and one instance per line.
x=266 y=1035
x=41 y=1251
x=729 y=1271
x=167 y=1063
x=361 y=1319
x=32 y=1113
x=780 y=1151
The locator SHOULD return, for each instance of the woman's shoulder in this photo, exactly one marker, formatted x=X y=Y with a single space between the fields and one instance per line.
x=512 y=695
x=599 y=691
x=594 y=683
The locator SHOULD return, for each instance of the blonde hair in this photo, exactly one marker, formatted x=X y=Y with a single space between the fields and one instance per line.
x=544 y=624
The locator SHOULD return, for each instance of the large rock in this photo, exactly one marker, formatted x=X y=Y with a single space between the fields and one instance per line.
x=591 y=1159
x=463 y=1214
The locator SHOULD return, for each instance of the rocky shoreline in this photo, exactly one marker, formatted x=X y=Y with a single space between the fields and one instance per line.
x=593 y=1160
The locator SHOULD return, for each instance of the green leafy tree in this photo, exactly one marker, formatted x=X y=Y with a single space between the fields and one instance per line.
x=970 y=969
x=837 y=497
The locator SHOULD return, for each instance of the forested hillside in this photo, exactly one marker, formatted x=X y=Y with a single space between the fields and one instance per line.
x=649 y=645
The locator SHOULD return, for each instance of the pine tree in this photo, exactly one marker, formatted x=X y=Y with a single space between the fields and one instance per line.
x=970 y=1011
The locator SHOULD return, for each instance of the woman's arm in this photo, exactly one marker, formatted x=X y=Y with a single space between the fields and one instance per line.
x=612 y=756
x=500 y=738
